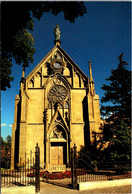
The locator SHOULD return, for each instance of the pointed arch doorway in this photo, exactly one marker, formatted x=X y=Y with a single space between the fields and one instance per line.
x=58 y=149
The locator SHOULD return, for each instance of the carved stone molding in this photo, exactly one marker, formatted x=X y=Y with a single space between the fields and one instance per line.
x=57 y=81
x=57 y=134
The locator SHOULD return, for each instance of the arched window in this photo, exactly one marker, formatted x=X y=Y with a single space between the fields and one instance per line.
x=31 y=83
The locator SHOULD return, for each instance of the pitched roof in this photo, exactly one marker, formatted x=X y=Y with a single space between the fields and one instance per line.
x=59 y=48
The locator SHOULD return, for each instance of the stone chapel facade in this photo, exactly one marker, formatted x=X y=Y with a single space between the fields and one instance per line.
x=56 y=107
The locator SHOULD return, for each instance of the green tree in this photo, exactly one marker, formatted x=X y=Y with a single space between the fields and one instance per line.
x=17 y=24
x=6 y=152
x=121 y=142
x=117 y=127
x=118 y=93
x=2 y=141
x=8 y=141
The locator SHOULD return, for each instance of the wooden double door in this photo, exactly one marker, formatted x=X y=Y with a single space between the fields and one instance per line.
x=57 y=154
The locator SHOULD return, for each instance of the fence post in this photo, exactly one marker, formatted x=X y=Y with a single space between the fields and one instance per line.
x=75 y=166
x=72 y=163
x=37 y=168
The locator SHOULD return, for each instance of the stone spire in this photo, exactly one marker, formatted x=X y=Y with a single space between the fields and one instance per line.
x=90 y=71
x=57 y=35
x=23 y=72
x=91 y=81
x=23 y=80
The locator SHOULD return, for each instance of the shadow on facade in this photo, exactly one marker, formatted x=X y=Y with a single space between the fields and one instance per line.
x=86 y=121
x=17 y=133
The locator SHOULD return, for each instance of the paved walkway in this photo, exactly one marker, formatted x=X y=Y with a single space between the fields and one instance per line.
x=47 y=188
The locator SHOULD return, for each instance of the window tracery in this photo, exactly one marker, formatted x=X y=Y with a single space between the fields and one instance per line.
x=57 y=94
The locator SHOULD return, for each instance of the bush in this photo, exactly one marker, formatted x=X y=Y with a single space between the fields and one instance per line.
x=5 y=156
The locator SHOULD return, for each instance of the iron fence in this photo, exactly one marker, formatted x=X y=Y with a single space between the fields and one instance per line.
x=26 y=173
x=18 y=177
x=84 y=169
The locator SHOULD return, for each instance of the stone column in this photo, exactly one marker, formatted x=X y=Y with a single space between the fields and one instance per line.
x=23 y=125
x=14 y=126
x=69 y=135
x=45 y=137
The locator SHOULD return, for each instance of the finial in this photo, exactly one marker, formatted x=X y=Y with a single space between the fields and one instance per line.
x=57 y=35
x=23 y=72
x=90 y=71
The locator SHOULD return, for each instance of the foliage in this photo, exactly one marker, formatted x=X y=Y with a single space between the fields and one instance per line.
x=87 y=158
x=119 y=149
x=117 y=126
x=118 y=92
x=5 y=156
x=2 y=141
x=8 y=141
x=6 y=152
x=5 y=72
x=17 y=24
x=121 y=142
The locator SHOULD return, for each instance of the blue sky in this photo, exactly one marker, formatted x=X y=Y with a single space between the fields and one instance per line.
x=100 y=36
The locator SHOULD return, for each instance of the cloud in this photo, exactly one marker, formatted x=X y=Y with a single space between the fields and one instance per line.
x=10 y=125
x=3 y=125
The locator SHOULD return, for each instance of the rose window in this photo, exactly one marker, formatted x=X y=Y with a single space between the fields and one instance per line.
x=57 y=93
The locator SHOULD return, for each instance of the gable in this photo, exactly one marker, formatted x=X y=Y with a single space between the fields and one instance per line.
x=56 y=61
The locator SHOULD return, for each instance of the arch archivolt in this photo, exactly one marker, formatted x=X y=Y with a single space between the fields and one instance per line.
x=58 y=131
x=58 y=139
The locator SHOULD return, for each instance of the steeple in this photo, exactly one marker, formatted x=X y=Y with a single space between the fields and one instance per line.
x=91 y=81
x=23 y=72
x=57 y=35
x=90 y=71
x=23 y=80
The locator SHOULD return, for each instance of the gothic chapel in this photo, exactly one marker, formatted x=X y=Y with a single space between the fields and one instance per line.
x=56 y=107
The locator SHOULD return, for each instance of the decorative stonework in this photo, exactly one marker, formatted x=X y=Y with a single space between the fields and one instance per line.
x=57 y=81
x=57 y=65
x=57 y=62
x=57 y=134
x=57 y=94
x=31 y=83
x=58 y=56
x=59 y=105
